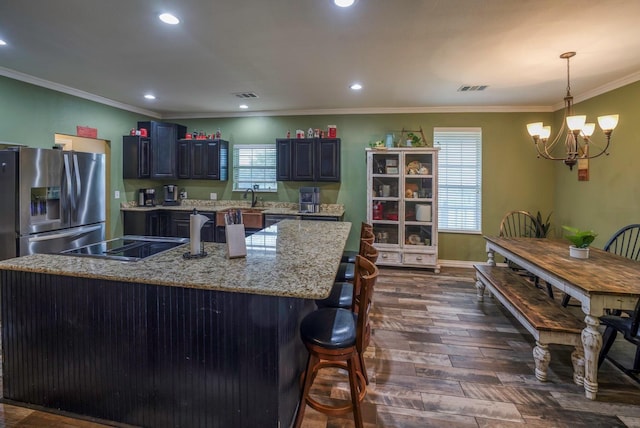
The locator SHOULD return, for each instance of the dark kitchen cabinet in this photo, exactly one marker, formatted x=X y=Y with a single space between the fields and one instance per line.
x=179 y=226
x=308 y=159
x=136 y=157
x=153 y=223
x=203 y=159
x=163 y=138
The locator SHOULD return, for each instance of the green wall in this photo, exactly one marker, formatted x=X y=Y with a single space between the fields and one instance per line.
x=513 y=178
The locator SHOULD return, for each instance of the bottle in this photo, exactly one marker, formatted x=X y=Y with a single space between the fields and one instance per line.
x=289 y=133
x=218 y=134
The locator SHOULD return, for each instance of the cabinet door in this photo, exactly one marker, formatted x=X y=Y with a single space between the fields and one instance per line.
x=283 y=160
x=135 y=223
x=211 y=155
x=135 y=157
x=163 y=150
x=328 y=160
x=184 y=159
x=303 y=155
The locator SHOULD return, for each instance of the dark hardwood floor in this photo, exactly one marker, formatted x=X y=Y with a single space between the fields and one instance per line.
x=440 y=358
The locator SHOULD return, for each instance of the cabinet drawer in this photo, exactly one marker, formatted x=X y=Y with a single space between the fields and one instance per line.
x=389 y=257
x=419 y=259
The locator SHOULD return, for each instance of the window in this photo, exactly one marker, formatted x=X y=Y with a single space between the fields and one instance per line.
x=254 y=167
x=459 y=179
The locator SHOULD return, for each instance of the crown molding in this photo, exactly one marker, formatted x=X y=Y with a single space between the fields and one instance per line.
x=75 y=92
x=607 y=87
x=632 y=78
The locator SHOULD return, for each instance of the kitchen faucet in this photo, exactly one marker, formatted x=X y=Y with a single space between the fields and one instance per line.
x=254 y=200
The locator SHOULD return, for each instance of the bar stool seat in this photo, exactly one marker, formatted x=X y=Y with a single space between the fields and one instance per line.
x=341 y=296
x=349 y=256
x=346 y=272
x=330 y=328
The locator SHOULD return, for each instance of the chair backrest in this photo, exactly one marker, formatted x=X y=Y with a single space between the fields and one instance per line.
x=625 y=242
x=520 y=224
x=366 y=274
x=367 y=237
x=369 y=252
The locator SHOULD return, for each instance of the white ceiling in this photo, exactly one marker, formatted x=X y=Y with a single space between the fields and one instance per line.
x=300 y=56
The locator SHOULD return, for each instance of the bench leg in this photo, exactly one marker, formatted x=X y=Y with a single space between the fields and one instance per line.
x=577 y=358
x=542 y=357
x=480 y=290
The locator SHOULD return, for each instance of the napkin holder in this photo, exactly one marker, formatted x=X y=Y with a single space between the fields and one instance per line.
x=236 y=245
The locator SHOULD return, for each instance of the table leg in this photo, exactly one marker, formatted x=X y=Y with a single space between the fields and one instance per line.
x=592 y=342
x=490 y=258
x=480 y=290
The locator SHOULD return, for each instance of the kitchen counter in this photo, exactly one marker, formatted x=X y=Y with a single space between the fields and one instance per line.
x=167 y=341
x=290 y=259
x=278 y=208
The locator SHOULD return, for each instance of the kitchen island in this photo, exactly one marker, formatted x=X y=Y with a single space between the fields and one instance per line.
x=168 y=341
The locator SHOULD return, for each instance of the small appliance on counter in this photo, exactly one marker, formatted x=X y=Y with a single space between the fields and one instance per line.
x=171 y=195
x=309 y=199
x=147 y=197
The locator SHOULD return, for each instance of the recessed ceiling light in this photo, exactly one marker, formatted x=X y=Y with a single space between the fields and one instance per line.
x=2 y=42
x=168 y=18
x=150 y=96
x=356 y=86
x=244 y=106
x=344 y=3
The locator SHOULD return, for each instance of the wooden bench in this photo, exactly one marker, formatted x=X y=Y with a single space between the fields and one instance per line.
x=544 y=318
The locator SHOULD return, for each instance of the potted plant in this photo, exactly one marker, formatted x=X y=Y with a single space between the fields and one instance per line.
x=581 y=239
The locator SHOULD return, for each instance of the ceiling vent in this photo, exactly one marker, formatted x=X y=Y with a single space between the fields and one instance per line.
x=472 y=88
x=245 y=95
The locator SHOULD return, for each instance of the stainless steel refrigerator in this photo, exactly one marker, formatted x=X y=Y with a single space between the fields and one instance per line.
x=50 y=200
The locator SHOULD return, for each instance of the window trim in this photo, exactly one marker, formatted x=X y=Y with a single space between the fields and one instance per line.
x=261 y=146
x=473 y=229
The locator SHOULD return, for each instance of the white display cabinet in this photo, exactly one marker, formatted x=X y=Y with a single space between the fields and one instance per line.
x=402 y=205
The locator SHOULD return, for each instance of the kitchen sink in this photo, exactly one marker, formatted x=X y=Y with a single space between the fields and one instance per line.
x=252 y=218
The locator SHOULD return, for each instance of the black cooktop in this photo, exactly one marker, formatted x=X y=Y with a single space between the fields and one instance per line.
x=128 y=248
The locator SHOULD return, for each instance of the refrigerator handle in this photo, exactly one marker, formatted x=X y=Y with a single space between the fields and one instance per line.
x=72 y=233
x=67 y=173
x=76 y=170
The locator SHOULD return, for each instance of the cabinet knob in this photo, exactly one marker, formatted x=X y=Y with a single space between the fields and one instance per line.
x=419 y=258
x=384 y=256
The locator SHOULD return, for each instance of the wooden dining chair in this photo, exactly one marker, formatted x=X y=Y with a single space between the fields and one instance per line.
x=624 y=242
x=337 y=337
x=627 y=324
x=522 y=224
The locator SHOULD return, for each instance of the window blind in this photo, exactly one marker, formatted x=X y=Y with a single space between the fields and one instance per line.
x=459 y=179
x=254 y=167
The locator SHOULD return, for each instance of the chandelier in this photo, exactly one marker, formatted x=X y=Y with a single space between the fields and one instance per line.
x=577 y=130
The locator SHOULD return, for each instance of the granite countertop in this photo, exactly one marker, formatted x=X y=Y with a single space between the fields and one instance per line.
x=280 y=208
x=292 y=258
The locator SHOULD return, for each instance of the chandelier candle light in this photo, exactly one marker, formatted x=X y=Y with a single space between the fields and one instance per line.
x=577 y=129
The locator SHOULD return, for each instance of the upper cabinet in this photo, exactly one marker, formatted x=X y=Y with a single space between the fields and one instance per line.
x=163 y=139
x=308 y=159
x=136 y=157
x=203 y=159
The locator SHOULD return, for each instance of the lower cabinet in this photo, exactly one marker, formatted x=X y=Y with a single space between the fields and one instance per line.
x=179 y=226
x=152 y=223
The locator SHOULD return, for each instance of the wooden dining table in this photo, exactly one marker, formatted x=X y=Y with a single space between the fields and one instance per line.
x=603 y=281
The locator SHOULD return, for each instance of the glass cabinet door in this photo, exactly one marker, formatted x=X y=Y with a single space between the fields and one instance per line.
x=385 y=196
x=418 y=187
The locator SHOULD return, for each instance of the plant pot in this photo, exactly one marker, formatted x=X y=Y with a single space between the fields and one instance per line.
x=578 y=253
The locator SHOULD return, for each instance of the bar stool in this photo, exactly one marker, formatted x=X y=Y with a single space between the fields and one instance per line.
x=336 y=337
x=346 y=270
x=342 y=293
x=349 y=256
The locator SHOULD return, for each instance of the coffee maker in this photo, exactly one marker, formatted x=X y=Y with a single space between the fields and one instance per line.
x=146 y=197
x=170 y=194
x=309 y=199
